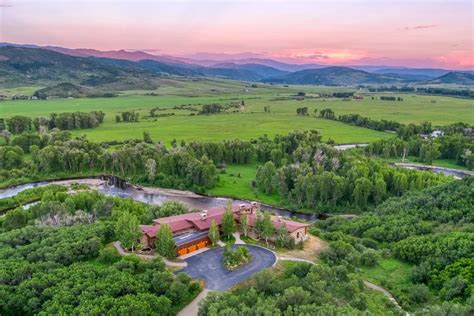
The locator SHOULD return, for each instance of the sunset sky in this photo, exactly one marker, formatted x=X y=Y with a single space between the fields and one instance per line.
x=429 y=33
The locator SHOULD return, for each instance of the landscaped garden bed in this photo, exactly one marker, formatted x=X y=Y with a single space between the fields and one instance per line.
x=235 y=258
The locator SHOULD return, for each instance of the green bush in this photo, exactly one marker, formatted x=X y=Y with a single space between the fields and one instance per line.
x=109 y=255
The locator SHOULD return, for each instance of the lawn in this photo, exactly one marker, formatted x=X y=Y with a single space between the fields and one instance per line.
x=446 y=163
x=236 y=183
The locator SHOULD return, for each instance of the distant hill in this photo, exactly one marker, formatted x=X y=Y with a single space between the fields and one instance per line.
x=429 y=73
x=455 y=77
x=20 y=65
x=114 y=54
x=262 y=70
x=333 y=76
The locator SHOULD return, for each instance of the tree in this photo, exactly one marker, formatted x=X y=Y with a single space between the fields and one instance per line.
x=127 y=230
x=379 y=190
x=264 y=177
x=362 y=190
x=228 y=223
x=214 y=233
x=151 y=169
x=15 y=218
x=429 y=151
x=19 y=124
x=267 y=227
x=281 y=236
x=165 y=244
x=244 y=224
x=147 y=137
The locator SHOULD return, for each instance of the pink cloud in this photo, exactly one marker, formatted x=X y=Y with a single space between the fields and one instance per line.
x=420 y=27
x=322 y=56
x=458 y=59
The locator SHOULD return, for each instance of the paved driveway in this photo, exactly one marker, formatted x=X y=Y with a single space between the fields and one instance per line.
x=209 y=267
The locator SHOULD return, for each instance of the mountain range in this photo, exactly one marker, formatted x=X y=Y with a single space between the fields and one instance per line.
x=50 y=65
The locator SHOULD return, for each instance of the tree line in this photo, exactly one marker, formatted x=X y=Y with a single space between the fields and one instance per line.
x=63 y=121
x=456 y=147
x=312 y=175
x=467 y=93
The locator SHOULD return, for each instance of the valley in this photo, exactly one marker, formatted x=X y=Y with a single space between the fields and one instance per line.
x=171 y=167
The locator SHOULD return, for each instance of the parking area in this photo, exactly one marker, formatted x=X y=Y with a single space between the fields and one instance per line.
x=208 y=266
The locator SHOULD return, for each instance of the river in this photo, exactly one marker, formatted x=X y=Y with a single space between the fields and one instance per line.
x=114 y=186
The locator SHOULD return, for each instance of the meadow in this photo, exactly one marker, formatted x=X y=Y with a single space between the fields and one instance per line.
x=248 y=122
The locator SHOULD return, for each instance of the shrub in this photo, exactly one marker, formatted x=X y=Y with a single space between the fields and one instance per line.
x=235 y=258
x=109 y=255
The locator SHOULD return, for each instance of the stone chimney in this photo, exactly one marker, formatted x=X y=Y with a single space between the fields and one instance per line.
x=254 y=207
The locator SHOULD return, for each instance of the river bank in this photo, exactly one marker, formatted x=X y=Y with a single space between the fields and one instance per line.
x=115 y=186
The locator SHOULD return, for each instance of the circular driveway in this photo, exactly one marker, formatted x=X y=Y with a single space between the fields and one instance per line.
x=209 y=267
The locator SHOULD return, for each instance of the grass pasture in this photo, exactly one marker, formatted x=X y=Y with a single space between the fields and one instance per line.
x=250 y=121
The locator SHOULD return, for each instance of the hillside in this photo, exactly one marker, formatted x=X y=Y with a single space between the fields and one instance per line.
x=26 y=66
x=262 y=70
x=67 y=90
x=422 y=72
x=455 y=77
x=23 y=66
x=333 y=76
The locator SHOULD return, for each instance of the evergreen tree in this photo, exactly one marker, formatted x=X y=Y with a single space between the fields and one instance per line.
x=228 y=223
x=214 y=233
x=267 y=227
x=165 y=244
x=244 y=224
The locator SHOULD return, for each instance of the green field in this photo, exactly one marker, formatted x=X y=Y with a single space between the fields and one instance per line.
x=236 y=183
x=248 y=122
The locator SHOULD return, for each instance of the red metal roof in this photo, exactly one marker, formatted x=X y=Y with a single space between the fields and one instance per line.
x=149 y=230
x=194 y=221
x=290 y=225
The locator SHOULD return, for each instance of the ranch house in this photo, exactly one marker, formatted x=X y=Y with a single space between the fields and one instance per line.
x=190 y=230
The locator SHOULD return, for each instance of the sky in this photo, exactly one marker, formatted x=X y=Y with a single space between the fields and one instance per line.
x=416 y=33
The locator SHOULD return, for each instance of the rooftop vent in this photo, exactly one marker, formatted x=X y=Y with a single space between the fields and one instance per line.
x=280 y=218
x=203 y=216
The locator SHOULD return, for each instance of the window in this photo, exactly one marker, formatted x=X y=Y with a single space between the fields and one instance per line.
x=298 y=235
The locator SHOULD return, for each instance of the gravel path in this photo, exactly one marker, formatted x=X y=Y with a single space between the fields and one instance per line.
x=192 y=308
x=384 y=292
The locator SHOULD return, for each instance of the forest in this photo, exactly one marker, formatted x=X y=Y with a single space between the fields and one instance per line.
x=55 y=258
x=430 y=229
